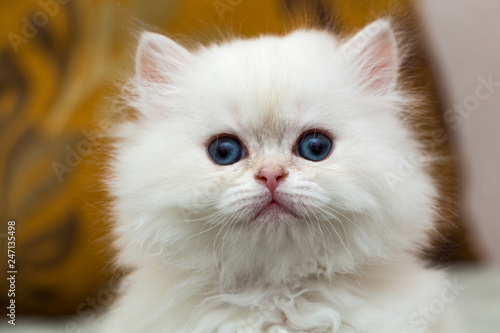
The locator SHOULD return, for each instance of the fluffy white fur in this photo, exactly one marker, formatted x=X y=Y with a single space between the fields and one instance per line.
x=347 y=261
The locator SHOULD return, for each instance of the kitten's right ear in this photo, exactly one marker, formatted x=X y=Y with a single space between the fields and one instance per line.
x=159 y=58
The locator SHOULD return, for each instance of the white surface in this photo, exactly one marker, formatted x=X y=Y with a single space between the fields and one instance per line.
x=478 y=306
x=464 y=36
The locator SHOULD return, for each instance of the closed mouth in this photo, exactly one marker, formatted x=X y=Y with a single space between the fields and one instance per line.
x=274 y=210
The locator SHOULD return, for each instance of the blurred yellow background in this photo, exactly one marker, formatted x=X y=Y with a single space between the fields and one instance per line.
x=61 y=62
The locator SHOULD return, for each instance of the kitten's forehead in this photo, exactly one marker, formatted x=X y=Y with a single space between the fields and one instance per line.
x=272 y=126
x=267 y=117
x=266 y=85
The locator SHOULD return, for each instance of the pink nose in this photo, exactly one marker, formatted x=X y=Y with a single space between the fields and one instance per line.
x=271 y=176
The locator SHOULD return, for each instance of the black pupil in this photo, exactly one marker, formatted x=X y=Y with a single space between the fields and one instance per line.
x=316 y=147
x=224 y=149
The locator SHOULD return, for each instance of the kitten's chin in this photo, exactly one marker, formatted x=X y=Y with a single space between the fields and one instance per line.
x=276 y=214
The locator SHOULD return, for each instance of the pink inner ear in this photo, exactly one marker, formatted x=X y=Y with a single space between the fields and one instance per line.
x=373 y=54
x=149 y=66
x=379 y=66
x=159 y=58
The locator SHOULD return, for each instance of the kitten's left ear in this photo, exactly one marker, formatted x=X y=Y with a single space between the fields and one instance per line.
x=373 y=55
x=159 y=58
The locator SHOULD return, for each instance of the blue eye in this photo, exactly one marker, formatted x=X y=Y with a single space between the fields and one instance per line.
x=225 y=150
x=314 y=146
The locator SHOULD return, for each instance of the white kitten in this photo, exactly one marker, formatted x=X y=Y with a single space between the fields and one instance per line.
x=257 y=192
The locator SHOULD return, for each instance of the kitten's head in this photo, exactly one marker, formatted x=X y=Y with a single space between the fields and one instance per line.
x=274 y=156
